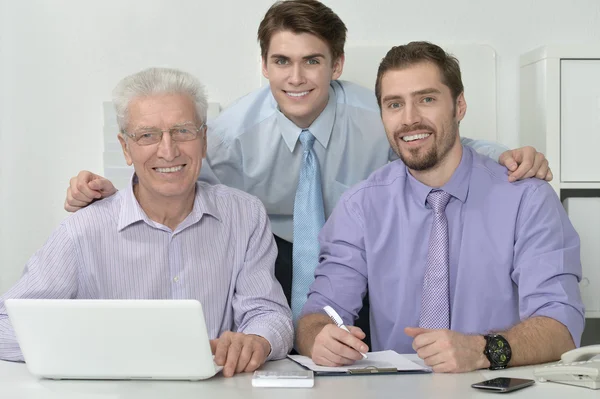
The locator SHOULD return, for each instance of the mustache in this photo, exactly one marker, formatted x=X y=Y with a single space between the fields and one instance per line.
x=414 y=128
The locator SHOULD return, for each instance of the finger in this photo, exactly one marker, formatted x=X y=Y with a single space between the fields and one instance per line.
x=537 y=164
x=357 y=332
x=414 y=331
x=347 y=338
x=549 y=175
x=543 y=170
x=213 y=345
x=233 y=354
x=222 y=348
x=347 y=355
x=103 y=186
x=523 y=168
x=82 y=192
x=507 y=160
x=248 y=349
x=425 y=339
x=257 y=359
x=429 y=351
x=330 y=359
x=434 y=360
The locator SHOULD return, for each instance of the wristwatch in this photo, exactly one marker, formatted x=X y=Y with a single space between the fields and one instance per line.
x=497 y=350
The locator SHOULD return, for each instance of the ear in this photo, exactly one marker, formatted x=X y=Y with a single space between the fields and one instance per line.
x=265 y=71
x=204 y=143
x=125 y=148
x=461 y=107
x=338 y=67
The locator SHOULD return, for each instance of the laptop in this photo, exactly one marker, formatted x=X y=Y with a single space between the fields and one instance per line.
x=113 y=339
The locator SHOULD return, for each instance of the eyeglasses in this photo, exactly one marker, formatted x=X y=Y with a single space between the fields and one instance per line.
x=153 y=135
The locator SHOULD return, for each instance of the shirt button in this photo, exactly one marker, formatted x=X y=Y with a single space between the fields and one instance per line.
x=176 y=279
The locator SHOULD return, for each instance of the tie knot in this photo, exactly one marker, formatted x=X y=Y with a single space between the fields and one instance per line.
x=438 y=199
x=307 y=140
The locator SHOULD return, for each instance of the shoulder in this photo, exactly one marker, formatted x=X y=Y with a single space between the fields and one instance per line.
x=243 y=114
x=379 y=183
x=96 y=216
x=355 y=96
x=490 y=180
x=228 y=200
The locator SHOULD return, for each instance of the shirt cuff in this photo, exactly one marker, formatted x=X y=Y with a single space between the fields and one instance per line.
x=280 y=339
x=569 y=316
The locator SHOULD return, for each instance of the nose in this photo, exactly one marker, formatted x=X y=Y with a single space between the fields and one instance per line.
x=296 y=75
x=167 y=148
x=410 y=115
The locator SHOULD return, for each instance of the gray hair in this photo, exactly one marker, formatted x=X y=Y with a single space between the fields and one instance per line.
x=154 y=81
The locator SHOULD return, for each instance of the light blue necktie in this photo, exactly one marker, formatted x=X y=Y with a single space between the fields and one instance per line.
x=309 y=217
x=435 y=303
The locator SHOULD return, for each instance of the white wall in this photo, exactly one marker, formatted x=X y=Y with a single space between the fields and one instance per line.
x=59 y=60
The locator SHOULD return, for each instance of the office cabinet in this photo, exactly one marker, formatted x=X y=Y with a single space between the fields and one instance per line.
x=585 y=216
x=560 y=116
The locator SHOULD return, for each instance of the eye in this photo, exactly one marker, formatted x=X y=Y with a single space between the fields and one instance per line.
x=312 y=61
x=146 y=135
x=394 y=105
x=428 y=100
x=281 y=61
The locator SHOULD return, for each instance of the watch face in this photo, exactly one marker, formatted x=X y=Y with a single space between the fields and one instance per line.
x=499 y=352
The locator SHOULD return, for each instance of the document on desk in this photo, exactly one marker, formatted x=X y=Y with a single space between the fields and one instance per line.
x=384 y=362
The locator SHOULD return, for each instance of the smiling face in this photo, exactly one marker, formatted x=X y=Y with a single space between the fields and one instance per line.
x=419 y=115
x=166 y=170
x=300 y=68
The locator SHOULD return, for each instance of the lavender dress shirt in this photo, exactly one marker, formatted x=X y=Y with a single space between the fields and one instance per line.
x=513 y=253
x=222 y=254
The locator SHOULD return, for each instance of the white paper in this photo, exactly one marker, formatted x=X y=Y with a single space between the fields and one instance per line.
x=384 y=359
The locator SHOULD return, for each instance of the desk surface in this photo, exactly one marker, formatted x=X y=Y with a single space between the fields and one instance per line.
x=16 y=382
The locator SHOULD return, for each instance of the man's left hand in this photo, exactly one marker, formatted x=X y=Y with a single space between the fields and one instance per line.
x=525 y=162
x=239 y=352
x=447 y=351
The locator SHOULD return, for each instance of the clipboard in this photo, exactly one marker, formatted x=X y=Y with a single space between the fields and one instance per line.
x=378 y=363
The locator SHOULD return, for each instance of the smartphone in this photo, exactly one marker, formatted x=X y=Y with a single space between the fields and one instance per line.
x=503 y=384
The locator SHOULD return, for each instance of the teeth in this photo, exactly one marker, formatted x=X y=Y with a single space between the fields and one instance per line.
x=297 y=94
x=416 y=137
x=169 y=170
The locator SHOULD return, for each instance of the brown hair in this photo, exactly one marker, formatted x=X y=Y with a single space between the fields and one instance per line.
x=415 y=52
x=303 y=16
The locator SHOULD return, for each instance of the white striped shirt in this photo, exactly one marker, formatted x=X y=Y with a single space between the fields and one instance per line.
x=222 y=254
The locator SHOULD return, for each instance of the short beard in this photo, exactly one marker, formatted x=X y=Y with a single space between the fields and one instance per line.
x=427 y=161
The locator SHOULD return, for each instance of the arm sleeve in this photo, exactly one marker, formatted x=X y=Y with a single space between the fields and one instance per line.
x=341 y=276
x=547 y=266
x=488 y=148
x=52 y=273
x=259 y=305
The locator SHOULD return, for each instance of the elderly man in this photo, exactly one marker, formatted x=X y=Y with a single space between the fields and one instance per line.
x=168 y=236
x=463 y=267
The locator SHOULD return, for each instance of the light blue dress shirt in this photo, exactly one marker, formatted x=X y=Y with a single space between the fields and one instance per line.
x=513 y=253
x=252 y=146
x=222 y=255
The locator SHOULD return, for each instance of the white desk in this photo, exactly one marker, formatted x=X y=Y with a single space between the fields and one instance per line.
x=17 y=383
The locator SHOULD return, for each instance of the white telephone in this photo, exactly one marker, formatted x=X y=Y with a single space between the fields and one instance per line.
x=579 y=367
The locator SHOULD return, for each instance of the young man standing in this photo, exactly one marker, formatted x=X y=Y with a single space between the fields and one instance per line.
x=299 y=143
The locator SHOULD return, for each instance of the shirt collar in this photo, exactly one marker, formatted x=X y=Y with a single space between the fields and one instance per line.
x=321 y=128
x=131 y=211
x=457 y=186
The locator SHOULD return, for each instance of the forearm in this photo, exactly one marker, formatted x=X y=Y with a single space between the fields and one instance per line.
x=307 y=330
x=538 y=340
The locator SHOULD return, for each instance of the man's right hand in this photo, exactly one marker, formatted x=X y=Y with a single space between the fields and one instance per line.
x=335 y=347
x=85 y=188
